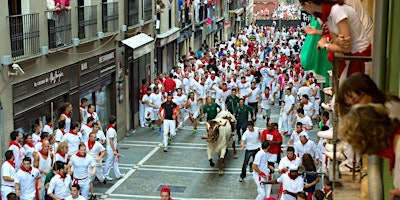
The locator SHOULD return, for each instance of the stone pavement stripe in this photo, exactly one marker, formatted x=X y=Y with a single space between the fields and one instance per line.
x=137 y=145
x=188 y=171
x=157 y=197
x=180 y=145
x=141 y=142
x=130 y=172
x=190 y=168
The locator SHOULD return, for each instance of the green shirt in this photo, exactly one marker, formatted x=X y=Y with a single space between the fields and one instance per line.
x=49 y=176
x=211 y=110
x=243 y=113
x=232 y=103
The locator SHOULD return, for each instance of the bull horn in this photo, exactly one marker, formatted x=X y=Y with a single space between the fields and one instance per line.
x=204 y=137
x=206 y=123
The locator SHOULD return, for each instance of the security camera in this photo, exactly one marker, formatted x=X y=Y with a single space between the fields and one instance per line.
x=18 y=69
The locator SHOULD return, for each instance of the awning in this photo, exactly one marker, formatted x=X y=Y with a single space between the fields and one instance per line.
x=168 y=36
x=238 y=11
x=141 y=44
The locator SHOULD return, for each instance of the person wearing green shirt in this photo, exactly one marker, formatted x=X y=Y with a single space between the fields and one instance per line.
x=210 y=109
x=242 y=117
x=232 y=101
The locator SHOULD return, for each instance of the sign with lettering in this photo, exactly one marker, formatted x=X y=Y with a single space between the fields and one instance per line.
x=106 y=57
x=52 y=78
x=305 y=19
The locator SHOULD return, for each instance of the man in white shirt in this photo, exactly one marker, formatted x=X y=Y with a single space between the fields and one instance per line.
x=60 y=132
x=48 y=127
x=14 y=146
x=155 y=100
x=112 y=150
x=91 y=112
x=100 y=137
x=75 y=191
x=292 y=183
x=261 y=171
x=81 y=163
x=306 y=146
x=254 y=96
x=267 y=100
x=252 y=139
x=287 y=111
x=295 y=136
x=7 y=174
x=180 y=100
x=97 y=151
x=289 y=160
x=83 y=111
x=304 y=119
x=73 y=138
x=25 y=180
x=59 y=184
x=87 y=129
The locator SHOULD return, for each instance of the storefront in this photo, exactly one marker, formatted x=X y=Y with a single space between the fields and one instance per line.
x=45 y=94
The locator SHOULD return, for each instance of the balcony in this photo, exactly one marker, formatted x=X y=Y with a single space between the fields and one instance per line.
x=24 y=35
x=59 y=29
x=87 y=22
x=185 y=17
x=133 y=12
x=238 y=4
x=110 y=16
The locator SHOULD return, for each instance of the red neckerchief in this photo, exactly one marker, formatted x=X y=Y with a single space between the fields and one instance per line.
x=228 y=81
x=224 y=90
x=88 y=125
x=388 y=152
x=12 y=163
x=90 y=144
x=326 y=11
x=66 y=114
x=30 y=144
x=244 y=82
x=61 y=176
x=202 y=84
x=62 y=131
x=90 y=113
x=306 y=103
x=82 y=106
x=79 y=155
x=302 y=74
x=266 y=95
x=246 y=74
x=73 y=132
x=156 y=92
x=179 y=95
x=291 y=73
x=294 y=158
x=15 y=143
x=253 y=88
x=39 y=141
x=50 y=125
x=110 y=126
x=286 y=80
x=43 y=153
x=324 y=121
x=61 y=154
x=291 y=176
x=27 y=170
x=234 y=80
x=212 y=77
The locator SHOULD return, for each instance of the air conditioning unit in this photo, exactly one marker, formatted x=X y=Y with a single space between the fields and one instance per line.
x=141 y=22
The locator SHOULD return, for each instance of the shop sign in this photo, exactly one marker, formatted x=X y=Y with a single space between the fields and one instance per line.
x=106 y=57
x=52 y=78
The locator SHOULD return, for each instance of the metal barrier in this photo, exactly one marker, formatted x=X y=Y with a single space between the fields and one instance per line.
x=24 y=35
x=59 y=28
x=335 y=176
x=110 y=16
x=87 y=22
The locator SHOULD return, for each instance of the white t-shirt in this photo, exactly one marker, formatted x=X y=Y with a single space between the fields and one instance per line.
x=7 y=170
x=95 y=151
x=265 y=102
x=359 y=37
x=86 y=130
x=27 y=183
x=78 y=198
x=309 y=147
x=308 y=108
x=306 y=121
x=58 y=135
x=18 y=155
x=253 y=96
x=285 y=163
x=100 y=137
x=81 y=165
x=35 y=138
x=73 y=142
x=289 y=101
x=60 y=186
x=261 y=160
x=291 y=185
x=156 y=100
x=111 y=133
x=296 y=136
x=59 y=157
x=252 y=139
x=47 y=129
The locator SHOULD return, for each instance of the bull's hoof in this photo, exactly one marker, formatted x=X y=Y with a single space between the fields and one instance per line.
x=220 y=172
x=211 y=163
x=235 y=155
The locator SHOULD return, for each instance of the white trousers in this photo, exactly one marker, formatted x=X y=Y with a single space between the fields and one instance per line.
x=5 y=190
x=112 y=160
x=264 y=191
x=99 y=172
x=286 y=119
x=142 y=119
x=85 y=186
x=317 y=103
x=169 y=126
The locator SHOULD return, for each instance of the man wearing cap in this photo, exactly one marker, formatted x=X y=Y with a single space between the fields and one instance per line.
x=292 y=183
x=306 y=146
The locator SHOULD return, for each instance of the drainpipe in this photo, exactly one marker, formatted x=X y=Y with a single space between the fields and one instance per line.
x=375 y=186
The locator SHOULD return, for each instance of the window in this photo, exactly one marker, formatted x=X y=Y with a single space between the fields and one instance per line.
x=133 y=12
x=147 y=10
x=87 y=21
x=110 y=16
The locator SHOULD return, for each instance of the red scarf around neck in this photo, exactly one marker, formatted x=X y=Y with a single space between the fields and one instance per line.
x=294 y=158
x=43 y=153
x=27 y=170
x=50 y=125
x=15 y=143
x=266 y=95
x=88 y=125
x=253 y=88
x=82 y=106
x=179 y=95
x=12 y=163
x=30 y=144
x=90 y=113
x=62 y=176
x=68 y=115
x=90 y=144
x=79 y=155
x=62 y=131
x=73 y=132
x=110 y=126
x=61 y=154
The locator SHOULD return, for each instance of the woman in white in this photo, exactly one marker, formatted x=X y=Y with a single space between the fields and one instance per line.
x=193 y=106
x=66 y=115
x=29 y=148
x=61 y=154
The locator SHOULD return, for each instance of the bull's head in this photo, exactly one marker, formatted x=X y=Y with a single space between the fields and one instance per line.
x=212 y=130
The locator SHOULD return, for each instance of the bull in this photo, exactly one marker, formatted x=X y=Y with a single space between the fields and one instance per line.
x=232 y=120
x=218 y=135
